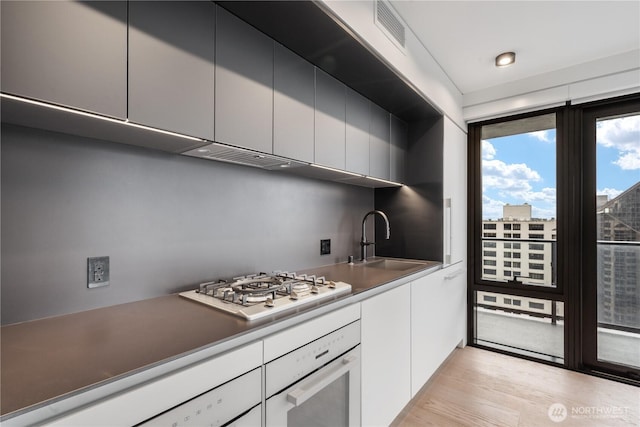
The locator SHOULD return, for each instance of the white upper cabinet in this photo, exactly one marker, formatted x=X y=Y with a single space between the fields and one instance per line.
x=358 y=118
x=244 y=84
x=171 y=66
x=329 y=121
x=380 y=151
x=67 y=53
x=293 y=105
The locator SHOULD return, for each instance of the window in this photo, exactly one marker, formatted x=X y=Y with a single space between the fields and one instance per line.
x=536 y=305
x=516 y=235
x=490 y=244
x=489 y=262
x=507 y=254
x=507 y=245
x=489 y=253
x=536 y=276
x=536 y=236
x=516 y=264
x=510 y=326
x=489 y=271
x=516 y=254
x=536 y=256
x=516 y=226
x=507 y=235
x=507 y=226
x=489 y=234
x=536 y=246
x=537 y=227
x=491 y=226
x=507 y=264
x=507 y=273
x=533 y=266
x=516 y=246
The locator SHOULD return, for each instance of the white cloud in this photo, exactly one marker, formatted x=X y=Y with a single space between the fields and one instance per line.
x=611 y=192
x=629 y=161
x=623 y=134
x=488 y=151
x=491 y=208
x=509 y=179
x=542 y=135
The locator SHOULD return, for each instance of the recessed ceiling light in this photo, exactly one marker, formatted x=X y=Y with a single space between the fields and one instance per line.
x=506 y=58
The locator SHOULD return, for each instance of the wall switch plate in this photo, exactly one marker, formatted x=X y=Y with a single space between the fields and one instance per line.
x=97 y=272
x=325 y=246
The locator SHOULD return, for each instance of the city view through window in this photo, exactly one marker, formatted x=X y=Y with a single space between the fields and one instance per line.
x=519 y=237
x=618 y=239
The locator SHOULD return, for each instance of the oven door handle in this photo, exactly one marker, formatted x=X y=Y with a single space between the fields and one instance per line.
x=314 y=384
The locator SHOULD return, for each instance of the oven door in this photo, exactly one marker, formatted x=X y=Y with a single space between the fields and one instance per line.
x=329 y=397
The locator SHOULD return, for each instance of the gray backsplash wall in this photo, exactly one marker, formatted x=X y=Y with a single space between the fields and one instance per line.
x=167 y=222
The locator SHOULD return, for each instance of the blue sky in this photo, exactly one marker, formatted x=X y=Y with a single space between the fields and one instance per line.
x=522 y=168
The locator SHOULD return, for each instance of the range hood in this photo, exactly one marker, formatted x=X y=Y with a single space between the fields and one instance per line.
x=241 y=156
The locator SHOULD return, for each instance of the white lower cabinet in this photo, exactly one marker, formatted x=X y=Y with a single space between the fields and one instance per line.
x=212 y=392
x=438 y=321
x=386 y=349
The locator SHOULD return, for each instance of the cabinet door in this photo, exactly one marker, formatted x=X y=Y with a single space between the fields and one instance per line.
x=438 y=321
x=330 y=121
x=379 y=133
x=171 y=66
x=244 y=84
x=386 y=347
x=357 y=133
x=398 y=147
x=454 y=189
x=293 y=105
x=68 y=53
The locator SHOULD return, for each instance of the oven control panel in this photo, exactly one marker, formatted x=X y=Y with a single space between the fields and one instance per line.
x=294 y=366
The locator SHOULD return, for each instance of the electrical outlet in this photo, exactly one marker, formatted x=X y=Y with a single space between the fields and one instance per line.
x=325 y=246
x=97 y=272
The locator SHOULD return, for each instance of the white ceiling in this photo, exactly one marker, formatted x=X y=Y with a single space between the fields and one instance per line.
x=464 y=37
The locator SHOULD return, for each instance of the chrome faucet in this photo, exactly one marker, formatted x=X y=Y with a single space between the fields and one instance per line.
x=363 y=241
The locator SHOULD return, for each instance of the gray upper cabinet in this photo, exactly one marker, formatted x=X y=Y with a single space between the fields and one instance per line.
x=67 y=53
x=379 y=134
x=357 y=133
x=244 y=84
x=330 y=121
x=293 y=105
x=171 y=66
x=398 y=142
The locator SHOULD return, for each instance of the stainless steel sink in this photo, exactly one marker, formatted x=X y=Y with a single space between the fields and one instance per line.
x=391 y=264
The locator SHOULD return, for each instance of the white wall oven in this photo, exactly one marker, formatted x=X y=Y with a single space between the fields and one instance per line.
x=317 y=384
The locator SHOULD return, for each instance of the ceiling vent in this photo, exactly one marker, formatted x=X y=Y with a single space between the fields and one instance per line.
x=390 y=24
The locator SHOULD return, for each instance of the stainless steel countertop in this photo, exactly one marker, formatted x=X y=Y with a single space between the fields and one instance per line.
x=47 y=360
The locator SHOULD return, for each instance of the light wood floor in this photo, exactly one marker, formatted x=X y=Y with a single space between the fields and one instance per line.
x=477 y=387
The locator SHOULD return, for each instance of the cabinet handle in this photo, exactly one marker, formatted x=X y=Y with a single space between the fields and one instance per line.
x=454 y=274
x=317 y=382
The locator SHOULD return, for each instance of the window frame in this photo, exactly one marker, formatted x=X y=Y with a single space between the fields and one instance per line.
x=572 y=235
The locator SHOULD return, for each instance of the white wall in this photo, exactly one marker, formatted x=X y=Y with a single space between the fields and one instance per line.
x=603 y=78
x=416 y=64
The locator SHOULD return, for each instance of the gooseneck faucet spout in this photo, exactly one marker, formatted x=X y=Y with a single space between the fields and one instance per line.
x=363 y=241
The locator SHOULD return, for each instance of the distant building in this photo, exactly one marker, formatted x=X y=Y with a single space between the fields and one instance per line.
x=518 y=245
x=618 y=220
